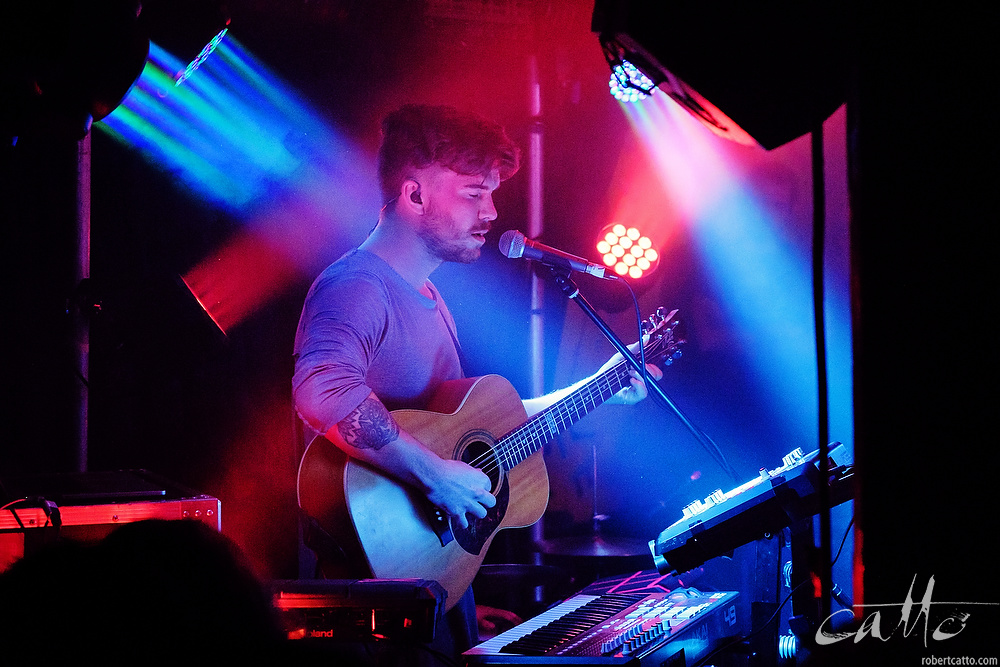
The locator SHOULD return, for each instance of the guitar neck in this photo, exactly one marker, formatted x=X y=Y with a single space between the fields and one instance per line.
x=528 y=438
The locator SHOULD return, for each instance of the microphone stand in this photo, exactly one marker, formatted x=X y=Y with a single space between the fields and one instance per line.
x=561 y=277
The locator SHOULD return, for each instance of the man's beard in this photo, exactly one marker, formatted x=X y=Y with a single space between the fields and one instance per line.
x=445 y=249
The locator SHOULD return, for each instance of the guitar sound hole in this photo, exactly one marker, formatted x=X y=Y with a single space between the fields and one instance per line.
x=480 y=455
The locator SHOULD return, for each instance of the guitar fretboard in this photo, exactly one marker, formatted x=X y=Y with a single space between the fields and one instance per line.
x=528 y=438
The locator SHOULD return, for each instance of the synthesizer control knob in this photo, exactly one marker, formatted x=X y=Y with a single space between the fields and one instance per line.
x=694 y=509
x=793 y=457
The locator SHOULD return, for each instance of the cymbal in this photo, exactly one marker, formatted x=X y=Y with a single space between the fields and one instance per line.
x=595 y=546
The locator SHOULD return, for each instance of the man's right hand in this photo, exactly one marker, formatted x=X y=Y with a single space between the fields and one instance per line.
x=369 y=433
x=458 y=489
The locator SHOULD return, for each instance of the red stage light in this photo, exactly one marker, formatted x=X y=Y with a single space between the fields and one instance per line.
x=627 y=251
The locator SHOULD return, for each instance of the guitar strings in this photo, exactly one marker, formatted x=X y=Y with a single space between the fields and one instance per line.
x=534 y=430
x=492 y=459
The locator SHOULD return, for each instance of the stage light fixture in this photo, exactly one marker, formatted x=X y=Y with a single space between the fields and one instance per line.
x=771 y=71
x=627 y=251
x=635 y=82
x=628 y=84
x=181 y=77
x=190 y=30
x=64 y=67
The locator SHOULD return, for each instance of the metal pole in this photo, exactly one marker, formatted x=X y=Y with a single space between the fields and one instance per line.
x=80 y=308
x=535 y=227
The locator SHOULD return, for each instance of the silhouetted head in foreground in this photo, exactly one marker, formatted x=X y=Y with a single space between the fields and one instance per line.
x=150 y=592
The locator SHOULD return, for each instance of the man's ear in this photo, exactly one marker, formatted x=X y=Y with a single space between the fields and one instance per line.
x=411 y=196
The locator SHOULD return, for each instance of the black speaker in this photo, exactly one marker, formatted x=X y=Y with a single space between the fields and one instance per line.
x=764 y=70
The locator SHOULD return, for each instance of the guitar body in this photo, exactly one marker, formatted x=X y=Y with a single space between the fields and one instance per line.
x=391 y=527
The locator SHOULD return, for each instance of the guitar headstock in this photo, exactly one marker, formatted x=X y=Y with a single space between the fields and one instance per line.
x=664 y=342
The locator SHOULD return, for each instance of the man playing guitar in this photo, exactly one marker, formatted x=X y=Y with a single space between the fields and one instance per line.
x=375 y=335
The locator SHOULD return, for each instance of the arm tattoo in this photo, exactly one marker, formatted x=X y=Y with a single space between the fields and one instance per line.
x=370 y=426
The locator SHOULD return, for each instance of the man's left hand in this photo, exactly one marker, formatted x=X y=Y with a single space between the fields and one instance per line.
x=638 y=391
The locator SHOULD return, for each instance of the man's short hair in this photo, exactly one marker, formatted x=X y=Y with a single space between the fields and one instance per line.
x=417 y=136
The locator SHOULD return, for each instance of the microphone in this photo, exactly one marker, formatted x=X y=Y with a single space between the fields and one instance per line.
x=513 y=244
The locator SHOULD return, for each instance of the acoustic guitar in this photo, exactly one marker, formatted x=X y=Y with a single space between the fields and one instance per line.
x=389 y=530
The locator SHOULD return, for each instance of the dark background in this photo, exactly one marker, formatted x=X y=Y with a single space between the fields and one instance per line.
x=168 y=393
